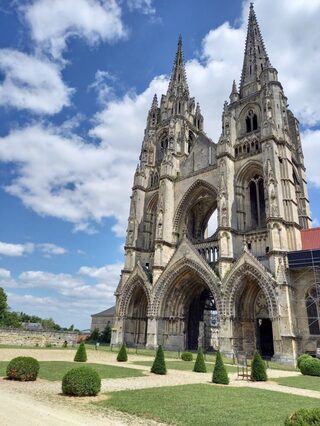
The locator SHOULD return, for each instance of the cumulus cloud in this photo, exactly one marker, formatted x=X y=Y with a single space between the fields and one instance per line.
x=31 y=83
x=50 y=249
x=4 y=273
x=145 y=6
x=311 y=145
x=53 y=22
x=13 y=250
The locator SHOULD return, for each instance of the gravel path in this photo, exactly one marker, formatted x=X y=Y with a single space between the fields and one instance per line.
x=41 y=402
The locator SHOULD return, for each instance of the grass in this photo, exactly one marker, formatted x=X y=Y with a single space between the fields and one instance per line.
x=303 y=382
x=185 y=365
x=55 y=370
x=205 y=405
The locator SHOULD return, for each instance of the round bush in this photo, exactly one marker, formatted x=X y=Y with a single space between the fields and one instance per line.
x=187 y=356
x=81 y=381
x=310 y=366
x=304 y=417
x=23 y=368
x=302 y=358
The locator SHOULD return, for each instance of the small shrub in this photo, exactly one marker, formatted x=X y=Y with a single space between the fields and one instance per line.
x=159 y=364
x=23 y=368
x=310 y=366
x=187 y=356
x=81 y=355
x=81 y=381
x=65 y=344
x=220 y=374
x=302 y=358
x=200 y=365
x=122 y=354
x=304 y=417
x=258 y=369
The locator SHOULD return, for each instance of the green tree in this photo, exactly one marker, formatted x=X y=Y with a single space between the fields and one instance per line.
x=258 y=368
x=95 y=335
x=122 y=354
x=159 y=364
x=220 y=374
x=200 y=365
x=3 y=305
x=81 y=355
x=12 y=319
x=106 y=334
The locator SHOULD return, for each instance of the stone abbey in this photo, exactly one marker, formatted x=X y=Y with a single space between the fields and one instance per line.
x=241 y=288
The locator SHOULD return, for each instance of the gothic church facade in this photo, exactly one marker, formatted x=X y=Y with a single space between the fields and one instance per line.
x=183 y=288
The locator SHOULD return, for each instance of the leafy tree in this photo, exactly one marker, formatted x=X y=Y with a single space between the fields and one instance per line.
x=106 y=334
x=3 y=304
x=258 y=368
x=12 y=319
x=71 y=328
x=200 y=365
x=95 y=335
x=159 y=364
x=81 y=355
x=220 y=374
x=122 y=354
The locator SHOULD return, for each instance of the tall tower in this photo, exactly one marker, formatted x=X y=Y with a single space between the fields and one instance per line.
x=182 y=287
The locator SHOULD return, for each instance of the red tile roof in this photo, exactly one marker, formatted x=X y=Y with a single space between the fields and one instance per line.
x=310 y=239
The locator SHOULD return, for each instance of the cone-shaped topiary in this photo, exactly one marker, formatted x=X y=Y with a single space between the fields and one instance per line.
x=122 y=354
x=220 y=374
x=159 y=364
x=81 y=355
x=258 y=369
x=200 y=365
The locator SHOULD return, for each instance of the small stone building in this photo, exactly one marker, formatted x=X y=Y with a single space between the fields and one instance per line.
x=102 y=319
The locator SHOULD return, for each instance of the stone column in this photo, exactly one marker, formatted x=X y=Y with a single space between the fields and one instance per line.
x=152 y=333
x=117 y=335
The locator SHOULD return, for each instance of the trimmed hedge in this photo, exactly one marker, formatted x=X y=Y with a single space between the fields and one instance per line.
x=310 y=366
x=159 y=364
x=258 y=369
x=220 y=374
x=200 y=365
x=304 y=417
x=23 y=368
x=187 y=356
x=81 y=381
x=81 y=355
x=302 y=358
x=122 y=354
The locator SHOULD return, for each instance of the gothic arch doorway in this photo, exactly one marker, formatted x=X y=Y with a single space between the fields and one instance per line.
x=188 y=314
x=252 y=324
x=136 y=319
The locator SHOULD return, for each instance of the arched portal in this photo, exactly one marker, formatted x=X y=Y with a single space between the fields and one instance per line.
x=188 y=314
x=136 y=318
x=252 y=323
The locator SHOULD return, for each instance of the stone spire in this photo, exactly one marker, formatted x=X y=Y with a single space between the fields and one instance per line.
x=178 y=81
x=255 y=56
x=154 y=104
x=234 y=95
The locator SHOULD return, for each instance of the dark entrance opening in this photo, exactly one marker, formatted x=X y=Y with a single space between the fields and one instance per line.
x=201 y=309
x=265 y=337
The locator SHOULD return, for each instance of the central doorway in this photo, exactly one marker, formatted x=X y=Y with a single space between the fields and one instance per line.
x=265 y=337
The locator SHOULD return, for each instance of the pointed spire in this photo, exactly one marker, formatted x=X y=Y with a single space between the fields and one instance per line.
x=154 y=104
x=178 y=80
x=234 y=95
x=255 y=56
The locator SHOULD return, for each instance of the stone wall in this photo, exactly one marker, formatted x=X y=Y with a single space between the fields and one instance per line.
x=18 y=337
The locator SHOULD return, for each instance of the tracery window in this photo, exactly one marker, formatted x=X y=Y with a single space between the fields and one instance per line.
x=313 y=306
x=257 y=201
x=251 y=121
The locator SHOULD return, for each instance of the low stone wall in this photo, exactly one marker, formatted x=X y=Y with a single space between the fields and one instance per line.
x=19 y=337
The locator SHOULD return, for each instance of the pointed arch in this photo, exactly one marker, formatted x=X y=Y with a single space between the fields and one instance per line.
x=236 y=282
x=195 y=191
x=135 y=280
x=168 y=278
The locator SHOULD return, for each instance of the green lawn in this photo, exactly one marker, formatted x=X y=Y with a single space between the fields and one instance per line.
x=185 y=365
x=208 y=405
x=55 y=370
x=303 y=382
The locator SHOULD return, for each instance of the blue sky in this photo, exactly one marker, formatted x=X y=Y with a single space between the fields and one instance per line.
x=76 y=80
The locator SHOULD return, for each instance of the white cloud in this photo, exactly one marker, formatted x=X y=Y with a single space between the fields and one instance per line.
x=110 y=273
x=4 y=273
x=53 y=22
x=311 y=149
x=7 y=249
x=31 y=83
x=49 y=249
x=145 y=6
